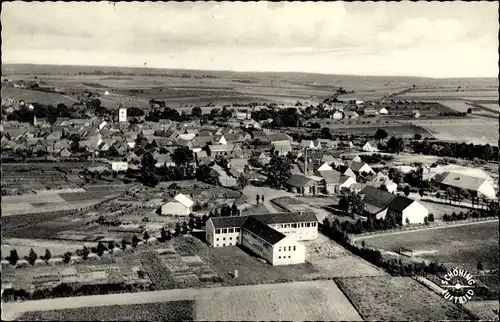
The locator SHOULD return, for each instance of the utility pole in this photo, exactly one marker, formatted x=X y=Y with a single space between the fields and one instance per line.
x=305 y=161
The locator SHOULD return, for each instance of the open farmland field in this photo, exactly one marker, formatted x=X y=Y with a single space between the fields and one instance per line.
x=461 y=246
x=163 y=311
x=265 y=302
x=456 y=105
x=21 y=209
x=440 y=95
x=486 y=310
x=392 y=130
x=136 y=86
x=36 y=96
x=398 y=299
x=281 y=302
x=473 y=132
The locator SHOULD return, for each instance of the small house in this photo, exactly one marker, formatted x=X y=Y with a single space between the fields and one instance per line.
x=179 y=205
x=299 y=183
x=370 y=147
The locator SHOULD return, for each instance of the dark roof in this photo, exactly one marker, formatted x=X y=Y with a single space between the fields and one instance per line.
x=299 y=180
x=400 y=203
x=356 y=166
x=274 y=137
x=228 y=222
x=376 y=197
x=286 y=217
x=262 y=230
x=331 y=176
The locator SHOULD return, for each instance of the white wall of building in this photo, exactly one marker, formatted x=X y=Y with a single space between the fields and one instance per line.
x=415 y=213
x=257 y=245
x=299 y=231
x=122 y=114
x=227 y=237
x=288 y=251
x=119 y=166
x=487 y=190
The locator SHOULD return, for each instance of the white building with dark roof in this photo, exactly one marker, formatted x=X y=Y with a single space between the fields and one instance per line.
x=274 y=237
x=380 y=204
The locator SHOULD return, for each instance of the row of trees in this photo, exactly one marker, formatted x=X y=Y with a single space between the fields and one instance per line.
x=66 y=290
x=492 y=211
x=185 y=168
x=25 y=115
x=31 y=258
x=457 y=150
x=167 y=113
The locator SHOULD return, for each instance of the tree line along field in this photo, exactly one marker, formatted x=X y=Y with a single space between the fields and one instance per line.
x=461 y=246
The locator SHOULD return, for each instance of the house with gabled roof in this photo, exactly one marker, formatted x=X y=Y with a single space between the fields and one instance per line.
x=133 y=158
x=220 y=150
x=220 y=139
x=180 y=205
x=279 y=138
x=311 y=144
x=380 y=179
x=334 y=181
x=370 y=146
x=475 y=185
x=238 y=164
x=273 y=237
x=380 y=204
x=360 y=167
x=164 y=160
x=64 y=153
x=299 y=183
x=347 y=171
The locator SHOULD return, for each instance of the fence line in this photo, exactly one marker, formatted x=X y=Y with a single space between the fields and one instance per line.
x=420 y=226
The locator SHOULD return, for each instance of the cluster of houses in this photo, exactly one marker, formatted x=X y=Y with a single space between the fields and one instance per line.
x=328 y=174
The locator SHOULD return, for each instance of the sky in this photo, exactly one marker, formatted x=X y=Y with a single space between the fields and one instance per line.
x=430 y=39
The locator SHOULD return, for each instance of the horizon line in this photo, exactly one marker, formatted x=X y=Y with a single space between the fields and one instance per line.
x=256 y=72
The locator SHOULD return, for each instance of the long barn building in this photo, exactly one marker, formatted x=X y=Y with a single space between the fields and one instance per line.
x=273 y=237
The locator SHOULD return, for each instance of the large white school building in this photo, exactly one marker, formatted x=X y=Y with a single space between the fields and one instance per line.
x=273 y=237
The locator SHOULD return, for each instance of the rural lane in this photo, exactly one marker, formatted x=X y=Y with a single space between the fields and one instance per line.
x=13 y=310
x=269 y=194
x=421 y=229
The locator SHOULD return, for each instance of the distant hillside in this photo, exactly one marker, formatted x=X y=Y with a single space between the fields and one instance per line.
x=340 y=80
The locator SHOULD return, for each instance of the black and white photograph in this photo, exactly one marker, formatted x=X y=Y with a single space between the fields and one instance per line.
x=250 y=161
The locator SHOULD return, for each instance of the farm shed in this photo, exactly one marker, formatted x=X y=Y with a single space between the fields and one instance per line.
x=180 y=205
